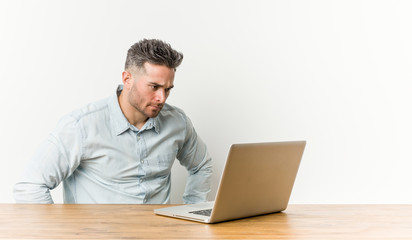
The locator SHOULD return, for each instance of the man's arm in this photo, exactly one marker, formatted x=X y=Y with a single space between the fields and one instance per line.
x=55 y=160
x=196 y=159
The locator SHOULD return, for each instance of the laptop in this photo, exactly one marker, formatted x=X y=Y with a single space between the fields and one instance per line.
x=257 y=179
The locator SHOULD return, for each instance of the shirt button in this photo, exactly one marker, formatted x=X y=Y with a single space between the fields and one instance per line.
x=142 y=161
x=141 y=180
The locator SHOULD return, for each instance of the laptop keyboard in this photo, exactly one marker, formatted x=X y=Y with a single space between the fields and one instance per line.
x=205 y=212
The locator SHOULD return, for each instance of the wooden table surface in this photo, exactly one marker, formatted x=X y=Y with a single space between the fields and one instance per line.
x=330 y=222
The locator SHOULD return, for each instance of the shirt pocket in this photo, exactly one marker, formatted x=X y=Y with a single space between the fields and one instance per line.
x=162 y=163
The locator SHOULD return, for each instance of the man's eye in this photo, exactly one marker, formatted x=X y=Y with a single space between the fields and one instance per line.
x=154 y=87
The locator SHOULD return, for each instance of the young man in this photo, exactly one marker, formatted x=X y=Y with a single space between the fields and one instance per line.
x=121 y=149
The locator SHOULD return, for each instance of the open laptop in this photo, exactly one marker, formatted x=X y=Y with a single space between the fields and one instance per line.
x=257 y=179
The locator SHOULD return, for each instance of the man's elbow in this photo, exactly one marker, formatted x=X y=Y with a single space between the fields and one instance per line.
x=30 y=193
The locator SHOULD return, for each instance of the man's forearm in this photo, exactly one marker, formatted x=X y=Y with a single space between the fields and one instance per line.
x=198 y=184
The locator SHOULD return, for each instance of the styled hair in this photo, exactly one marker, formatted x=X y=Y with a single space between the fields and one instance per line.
x=153 y=51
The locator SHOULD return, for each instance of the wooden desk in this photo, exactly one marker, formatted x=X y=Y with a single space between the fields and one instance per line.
x=139 y=222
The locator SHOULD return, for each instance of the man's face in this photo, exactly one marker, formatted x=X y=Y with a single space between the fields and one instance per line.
x=150 y=88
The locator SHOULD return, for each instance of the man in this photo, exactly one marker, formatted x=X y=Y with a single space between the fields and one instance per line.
x=121 y=149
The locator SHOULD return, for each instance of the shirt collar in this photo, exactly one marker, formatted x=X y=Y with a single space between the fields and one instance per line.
x=151 y=123
x=119 y=121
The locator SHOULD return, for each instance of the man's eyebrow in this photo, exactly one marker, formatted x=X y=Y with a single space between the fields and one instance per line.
x=160 y=85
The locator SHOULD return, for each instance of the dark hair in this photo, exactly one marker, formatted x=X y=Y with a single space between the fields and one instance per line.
x=153 y=51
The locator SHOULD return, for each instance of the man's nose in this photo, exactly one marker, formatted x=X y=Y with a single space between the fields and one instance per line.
x=161 y=96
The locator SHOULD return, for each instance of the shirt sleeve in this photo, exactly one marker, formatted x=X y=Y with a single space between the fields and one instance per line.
x=195 y=157
x=57 y=157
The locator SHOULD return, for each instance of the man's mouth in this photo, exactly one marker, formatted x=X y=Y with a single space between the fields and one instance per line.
x=156 y=107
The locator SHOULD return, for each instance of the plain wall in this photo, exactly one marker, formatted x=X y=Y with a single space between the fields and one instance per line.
x=335 y=73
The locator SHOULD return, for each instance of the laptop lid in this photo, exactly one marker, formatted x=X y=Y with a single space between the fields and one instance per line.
x=258 y=179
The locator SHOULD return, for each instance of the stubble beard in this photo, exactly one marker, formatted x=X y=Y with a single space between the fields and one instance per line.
x=135 y=105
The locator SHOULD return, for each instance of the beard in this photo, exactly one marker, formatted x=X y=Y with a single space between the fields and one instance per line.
x=147 y=109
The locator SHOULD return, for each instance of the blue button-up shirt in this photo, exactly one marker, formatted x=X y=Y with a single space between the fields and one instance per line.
x=102 y=158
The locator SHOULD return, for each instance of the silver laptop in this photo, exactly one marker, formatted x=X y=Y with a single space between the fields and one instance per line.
x=257 y=179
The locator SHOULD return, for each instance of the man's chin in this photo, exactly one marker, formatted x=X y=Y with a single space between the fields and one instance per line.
x=153 y=114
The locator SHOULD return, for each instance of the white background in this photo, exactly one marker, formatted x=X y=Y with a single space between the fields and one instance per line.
x=335 y=73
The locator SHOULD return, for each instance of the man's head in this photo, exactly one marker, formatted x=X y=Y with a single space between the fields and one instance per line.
x=148 y=78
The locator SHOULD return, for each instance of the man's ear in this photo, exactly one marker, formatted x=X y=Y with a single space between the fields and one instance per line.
x=127 y=79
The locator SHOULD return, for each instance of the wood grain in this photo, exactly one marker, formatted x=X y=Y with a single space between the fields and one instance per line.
x=61 y=221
